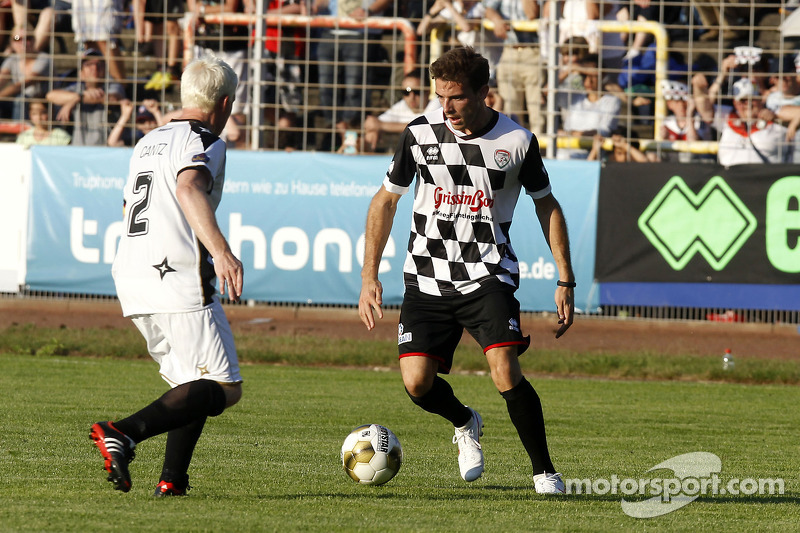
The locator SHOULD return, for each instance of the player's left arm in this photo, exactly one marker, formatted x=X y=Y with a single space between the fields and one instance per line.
x=554 y=228
x=192 y=194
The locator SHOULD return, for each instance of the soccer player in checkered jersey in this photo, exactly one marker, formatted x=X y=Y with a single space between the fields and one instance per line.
x=169 y=255
x=460 y=272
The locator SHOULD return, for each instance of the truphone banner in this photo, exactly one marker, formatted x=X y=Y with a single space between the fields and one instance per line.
x=699 y=235
x=296 y=220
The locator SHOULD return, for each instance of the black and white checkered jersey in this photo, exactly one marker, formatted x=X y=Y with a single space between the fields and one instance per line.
x=466 y=190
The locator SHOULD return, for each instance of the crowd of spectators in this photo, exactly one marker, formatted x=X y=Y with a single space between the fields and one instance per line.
x=320 y=87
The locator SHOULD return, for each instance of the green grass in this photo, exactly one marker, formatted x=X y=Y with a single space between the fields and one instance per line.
x=314 y=351
x=271 y=463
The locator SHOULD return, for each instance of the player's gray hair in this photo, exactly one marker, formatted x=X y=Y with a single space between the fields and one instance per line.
x=205 y=81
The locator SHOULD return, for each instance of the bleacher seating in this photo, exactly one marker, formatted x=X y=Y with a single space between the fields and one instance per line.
x=266 y=125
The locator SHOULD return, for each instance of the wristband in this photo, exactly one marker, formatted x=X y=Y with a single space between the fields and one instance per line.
x=569 y=284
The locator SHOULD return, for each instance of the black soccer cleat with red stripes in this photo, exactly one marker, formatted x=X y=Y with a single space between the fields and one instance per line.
x=117 y=450
x=166 y=488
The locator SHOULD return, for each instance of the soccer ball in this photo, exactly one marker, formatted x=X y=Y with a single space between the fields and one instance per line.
x=371 y=454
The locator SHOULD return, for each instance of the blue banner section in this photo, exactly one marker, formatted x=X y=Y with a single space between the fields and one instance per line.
x=702 y=295
x=75 y=217
x=296 y=220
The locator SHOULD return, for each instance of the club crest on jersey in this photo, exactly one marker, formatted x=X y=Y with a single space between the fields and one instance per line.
x=402 y=337
x=513 y=325
x=502 y=157
x=200 y=158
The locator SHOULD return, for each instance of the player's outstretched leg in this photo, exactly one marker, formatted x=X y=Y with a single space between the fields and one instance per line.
x=117 y=450
x=441 y=400
x=175 y=409
x=470 y=453
x=525 y=411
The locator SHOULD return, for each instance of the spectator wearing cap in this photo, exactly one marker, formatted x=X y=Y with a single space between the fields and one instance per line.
x=148 y=117
x=682 y=123
x=747 y=132
x=745 y=62
x=87 y=101
x=97 y=24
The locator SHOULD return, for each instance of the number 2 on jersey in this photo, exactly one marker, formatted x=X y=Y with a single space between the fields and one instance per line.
x=138 y=224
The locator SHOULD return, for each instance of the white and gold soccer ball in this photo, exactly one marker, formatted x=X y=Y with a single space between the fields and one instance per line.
x=371 y=454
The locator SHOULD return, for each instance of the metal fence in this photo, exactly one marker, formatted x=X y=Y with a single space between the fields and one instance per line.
x=282 y=61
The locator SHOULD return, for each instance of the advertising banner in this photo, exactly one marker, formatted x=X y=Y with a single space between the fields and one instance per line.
x=699 y=235
x=296 y=220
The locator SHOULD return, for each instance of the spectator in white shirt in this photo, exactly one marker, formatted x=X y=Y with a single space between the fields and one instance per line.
x=588 y=113
x=414 y=102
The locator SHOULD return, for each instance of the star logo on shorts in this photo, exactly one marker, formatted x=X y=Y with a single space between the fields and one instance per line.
x=163 y=268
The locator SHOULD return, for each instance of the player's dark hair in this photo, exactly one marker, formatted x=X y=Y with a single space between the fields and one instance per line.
x=462 y=65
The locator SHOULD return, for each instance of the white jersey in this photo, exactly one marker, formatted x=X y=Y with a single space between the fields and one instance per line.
x=742 y=143
x=161 y=266
x=402 y=112
x=466 y=191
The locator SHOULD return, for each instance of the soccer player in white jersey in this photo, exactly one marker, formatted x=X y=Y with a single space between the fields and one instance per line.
x=169 y=255
x=470 y=163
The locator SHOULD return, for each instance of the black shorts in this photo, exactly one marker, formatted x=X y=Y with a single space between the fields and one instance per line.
x=155 y=10
x=431 y=326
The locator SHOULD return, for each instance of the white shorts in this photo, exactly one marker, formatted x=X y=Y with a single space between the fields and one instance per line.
x=191 y=346
x=96 y=20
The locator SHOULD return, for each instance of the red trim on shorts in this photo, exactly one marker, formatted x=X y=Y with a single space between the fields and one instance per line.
x=525 y=343
x=442 y=368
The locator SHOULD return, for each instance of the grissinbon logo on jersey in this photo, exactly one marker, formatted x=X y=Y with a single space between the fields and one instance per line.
x=474 y=201
x=502 y=157
x=202 y=158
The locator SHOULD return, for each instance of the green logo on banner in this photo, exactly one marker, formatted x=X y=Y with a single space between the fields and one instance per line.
x=714 y=223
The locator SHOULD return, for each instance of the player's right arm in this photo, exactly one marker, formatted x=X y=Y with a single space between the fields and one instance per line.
x=380 y=217
x=191 y=191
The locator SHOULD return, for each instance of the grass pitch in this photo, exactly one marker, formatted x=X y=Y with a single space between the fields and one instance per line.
x=272 y=462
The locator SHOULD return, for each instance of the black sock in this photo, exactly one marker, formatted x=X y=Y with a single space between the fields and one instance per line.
x=525 y=411
x=180 y=447
x=176 y=408
x=442 y=401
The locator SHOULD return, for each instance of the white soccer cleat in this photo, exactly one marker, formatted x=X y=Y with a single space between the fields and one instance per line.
x=549 y=484
x=470 y=454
